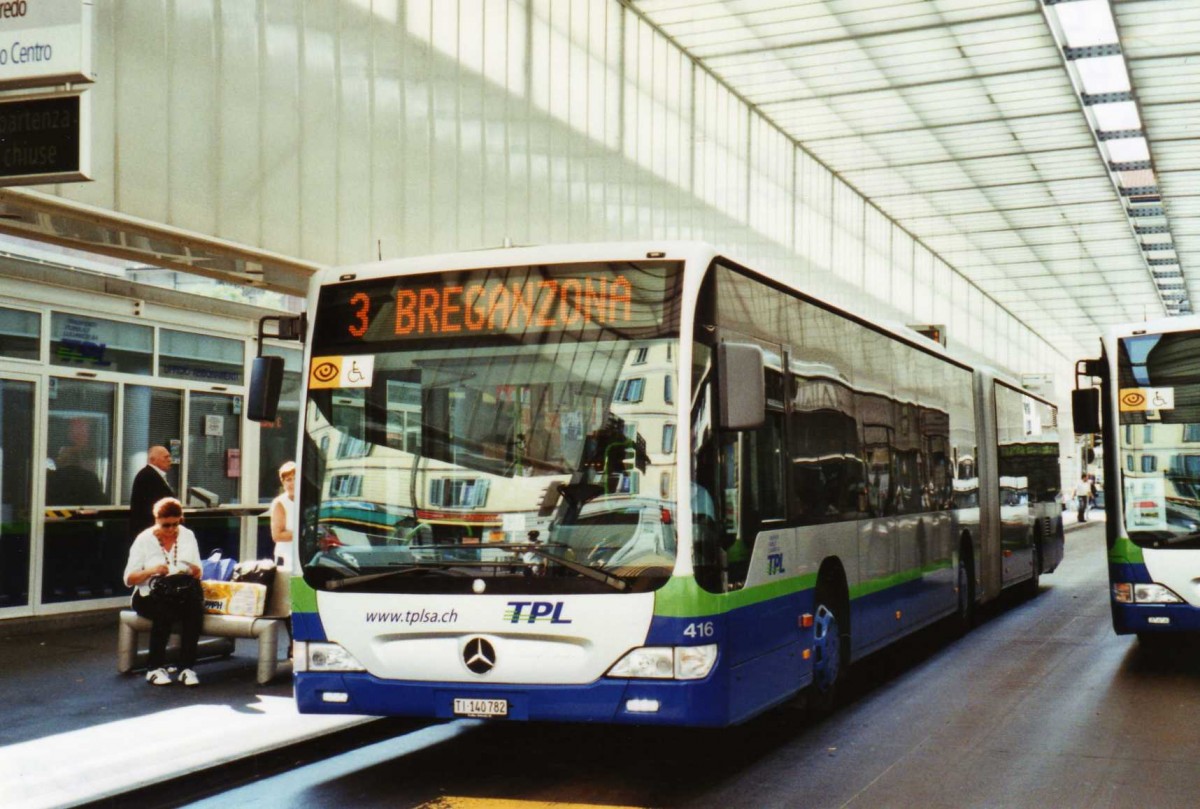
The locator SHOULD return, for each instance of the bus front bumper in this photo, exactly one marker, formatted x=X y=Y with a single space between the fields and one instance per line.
x=609 y=700
x=1149 y=618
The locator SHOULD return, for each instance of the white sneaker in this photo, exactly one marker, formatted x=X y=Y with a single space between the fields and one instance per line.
x=188 y=677
x=158 y=677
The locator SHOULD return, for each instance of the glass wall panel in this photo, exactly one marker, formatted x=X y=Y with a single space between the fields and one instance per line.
x=214 y=444
x=102 y=345
x=79 y=470
x=16 y=483
x=20 y=333
x=184 y=355
x=151 y=417
x=84 y=557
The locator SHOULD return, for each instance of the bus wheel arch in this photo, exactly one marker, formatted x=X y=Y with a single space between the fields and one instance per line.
x=965 y=585
x=1035 y=560
x=831 y=636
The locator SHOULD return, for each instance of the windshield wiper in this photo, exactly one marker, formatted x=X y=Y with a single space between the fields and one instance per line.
x=440 y=567
x=1165 y=539
x=615 y=582
x=461 y=567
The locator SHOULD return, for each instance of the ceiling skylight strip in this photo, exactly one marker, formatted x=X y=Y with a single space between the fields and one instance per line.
x=1092 y=55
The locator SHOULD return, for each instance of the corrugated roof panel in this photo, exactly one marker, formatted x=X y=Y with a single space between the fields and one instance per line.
x=959 y=119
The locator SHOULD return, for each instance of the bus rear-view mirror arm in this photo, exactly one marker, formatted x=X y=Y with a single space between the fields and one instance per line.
x=1085 y=402
x=266 y=373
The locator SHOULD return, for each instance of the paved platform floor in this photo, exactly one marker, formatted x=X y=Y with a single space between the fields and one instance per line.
x=75 y=731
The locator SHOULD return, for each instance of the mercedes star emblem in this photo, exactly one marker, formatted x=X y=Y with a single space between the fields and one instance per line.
x=479 y=656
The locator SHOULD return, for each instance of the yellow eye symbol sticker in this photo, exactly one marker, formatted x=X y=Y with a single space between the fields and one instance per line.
x=325 y=372
x=1133 y=399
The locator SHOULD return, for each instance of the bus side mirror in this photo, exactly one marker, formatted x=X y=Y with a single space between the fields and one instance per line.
x=266 y=381
x=742 y=392
x=1085 y=410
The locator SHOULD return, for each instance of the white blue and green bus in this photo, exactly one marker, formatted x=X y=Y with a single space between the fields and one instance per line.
x=1149 y=399
x=636 y=483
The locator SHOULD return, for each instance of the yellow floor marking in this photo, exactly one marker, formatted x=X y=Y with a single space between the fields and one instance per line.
x=456 y=802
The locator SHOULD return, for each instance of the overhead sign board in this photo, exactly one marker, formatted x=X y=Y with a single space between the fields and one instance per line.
x=45 y=42
x=44 y=139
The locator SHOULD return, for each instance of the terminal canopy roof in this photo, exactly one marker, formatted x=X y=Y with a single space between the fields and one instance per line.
x=1046 y=149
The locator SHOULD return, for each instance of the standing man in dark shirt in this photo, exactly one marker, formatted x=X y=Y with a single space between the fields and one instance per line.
x=149 y=486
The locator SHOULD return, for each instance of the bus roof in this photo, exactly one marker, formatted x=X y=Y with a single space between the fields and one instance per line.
x=523 y=255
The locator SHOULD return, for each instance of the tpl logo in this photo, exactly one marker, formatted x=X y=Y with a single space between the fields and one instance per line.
x=775 y=564
x=538 y=611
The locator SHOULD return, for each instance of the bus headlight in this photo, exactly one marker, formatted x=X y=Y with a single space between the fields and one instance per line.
x=1154 y=594
x=326 y=657
x=667 y=662
x=648 y=661
x=1128 y=593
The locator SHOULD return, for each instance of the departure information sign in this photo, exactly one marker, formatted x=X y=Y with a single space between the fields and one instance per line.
x=622 y=298
x=43 y=139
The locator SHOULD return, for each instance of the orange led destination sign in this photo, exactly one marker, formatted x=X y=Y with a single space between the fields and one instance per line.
x=511 y=301
x=492 y=306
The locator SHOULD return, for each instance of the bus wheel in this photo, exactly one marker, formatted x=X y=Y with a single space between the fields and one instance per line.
x=1035 y=581
x=829 y=653
x=964 y=617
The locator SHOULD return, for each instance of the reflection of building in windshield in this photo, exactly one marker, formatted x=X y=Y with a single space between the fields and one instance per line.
x=1160 y=464
x=644 y=399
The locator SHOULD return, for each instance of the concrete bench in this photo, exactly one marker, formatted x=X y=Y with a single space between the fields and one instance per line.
x=217 y=634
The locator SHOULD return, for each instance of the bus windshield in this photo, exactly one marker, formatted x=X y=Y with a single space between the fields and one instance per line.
x=501 y=430
x=1159 y=438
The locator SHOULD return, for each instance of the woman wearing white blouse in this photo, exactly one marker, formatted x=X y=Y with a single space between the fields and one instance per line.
x=164 y=549
x=281 y=517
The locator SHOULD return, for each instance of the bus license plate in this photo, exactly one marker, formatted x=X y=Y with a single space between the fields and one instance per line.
x=481 y=707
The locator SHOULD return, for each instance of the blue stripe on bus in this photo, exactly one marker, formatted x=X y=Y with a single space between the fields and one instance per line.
x=307 y=626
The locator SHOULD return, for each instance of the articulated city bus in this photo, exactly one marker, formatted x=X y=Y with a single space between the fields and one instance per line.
x=1149 y=399
x=636 y=483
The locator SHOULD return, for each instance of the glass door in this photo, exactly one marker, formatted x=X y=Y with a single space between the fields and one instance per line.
x=17 y=407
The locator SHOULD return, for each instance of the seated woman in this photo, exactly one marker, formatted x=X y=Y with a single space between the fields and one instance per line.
x=166 y=549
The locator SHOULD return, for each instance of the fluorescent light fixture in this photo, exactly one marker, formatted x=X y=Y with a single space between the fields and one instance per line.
x=1122 y=115
x=1087 y=23
x=1152 y=220
x=1103 y=74
x=1136 y=179
x=1124 y=150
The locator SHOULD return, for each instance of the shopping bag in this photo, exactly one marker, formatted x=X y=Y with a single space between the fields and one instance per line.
x=214 y=568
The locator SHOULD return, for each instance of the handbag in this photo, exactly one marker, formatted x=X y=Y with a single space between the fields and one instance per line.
x=176 y=589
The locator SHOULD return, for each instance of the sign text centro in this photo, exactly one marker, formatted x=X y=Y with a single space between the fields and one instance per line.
x=44 y=42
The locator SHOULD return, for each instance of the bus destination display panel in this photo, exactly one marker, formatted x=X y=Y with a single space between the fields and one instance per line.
x=595 y=300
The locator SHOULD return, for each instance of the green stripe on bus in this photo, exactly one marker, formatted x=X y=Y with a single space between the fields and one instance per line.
x=1125 y=552
x=682 y=597
x=304 y=598
x=870 y=586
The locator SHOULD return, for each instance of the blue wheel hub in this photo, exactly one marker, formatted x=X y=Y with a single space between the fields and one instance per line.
x=827 y=649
